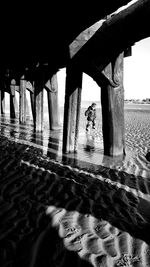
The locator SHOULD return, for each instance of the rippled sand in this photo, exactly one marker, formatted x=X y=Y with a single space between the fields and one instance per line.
x=53 y=214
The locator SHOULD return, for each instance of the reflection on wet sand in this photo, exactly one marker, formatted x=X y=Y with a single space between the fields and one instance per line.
x=89 y=142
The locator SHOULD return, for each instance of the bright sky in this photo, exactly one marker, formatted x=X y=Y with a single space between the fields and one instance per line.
x=137 y=71
x=136 y=76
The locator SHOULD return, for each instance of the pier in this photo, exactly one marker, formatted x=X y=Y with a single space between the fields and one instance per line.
x=96 y=50
x=64 y=199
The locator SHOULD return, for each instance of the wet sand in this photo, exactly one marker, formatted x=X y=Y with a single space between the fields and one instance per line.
x=52 y=213
x=56 y=212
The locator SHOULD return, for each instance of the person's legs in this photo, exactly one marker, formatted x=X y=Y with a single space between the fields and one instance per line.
x=87 y=125
x=93 y=124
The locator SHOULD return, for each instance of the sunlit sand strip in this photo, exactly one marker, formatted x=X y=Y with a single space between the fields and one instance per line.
x=97 y=241
x=28 y=143
x=134 y=163
x=135 y=192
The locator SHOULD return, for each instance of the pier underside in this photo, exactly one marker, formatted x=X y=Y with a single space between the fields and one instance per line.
x=95 y=43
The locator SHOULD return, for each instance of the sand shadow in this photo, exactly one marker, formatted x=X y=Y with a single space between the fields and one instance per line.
x=46 y=249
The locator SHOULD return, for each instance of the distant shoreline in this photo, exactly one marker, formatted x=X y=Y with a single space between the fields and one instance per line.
x=132 y=103
x=85 y=104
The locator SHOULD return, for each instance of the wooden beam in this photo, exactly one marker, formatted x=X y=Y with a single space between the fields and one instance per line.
x=128 y=52
x=83 y=38
x=47 y=85
x=2 y=102
x=22 y=100
x=52 y=96
x=78 y=110
x=72 y=109
x=115 y=35
x=112 y=100
x=32 y=100
x=17 y=88
x=38 y=104
x=12 y=99
x=30 y=87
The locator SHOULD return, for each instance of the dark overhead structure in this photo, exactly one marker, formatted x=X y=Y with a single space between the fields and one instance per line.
x=42 y=32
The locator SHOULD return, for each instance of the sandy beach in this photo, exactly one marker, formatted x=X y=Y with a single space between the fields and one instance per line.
x=84 y=211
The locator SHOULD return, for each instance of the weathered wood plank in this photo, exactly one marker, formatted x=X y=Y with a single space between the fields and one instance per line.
x=112 y=100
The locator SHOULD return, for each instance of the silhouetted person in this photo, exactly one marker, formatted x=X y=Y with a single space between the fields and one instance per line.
x=90 y=113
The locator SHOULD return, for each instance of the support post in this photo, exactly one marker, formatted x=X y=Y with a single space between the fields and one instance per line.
x=32 y=100
x=52 y=96
x=72 y=109
x=22 y=100
x=38 y=104
x=2 y=102
x=112 y=100
x=79 y=91
x=12 y=99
